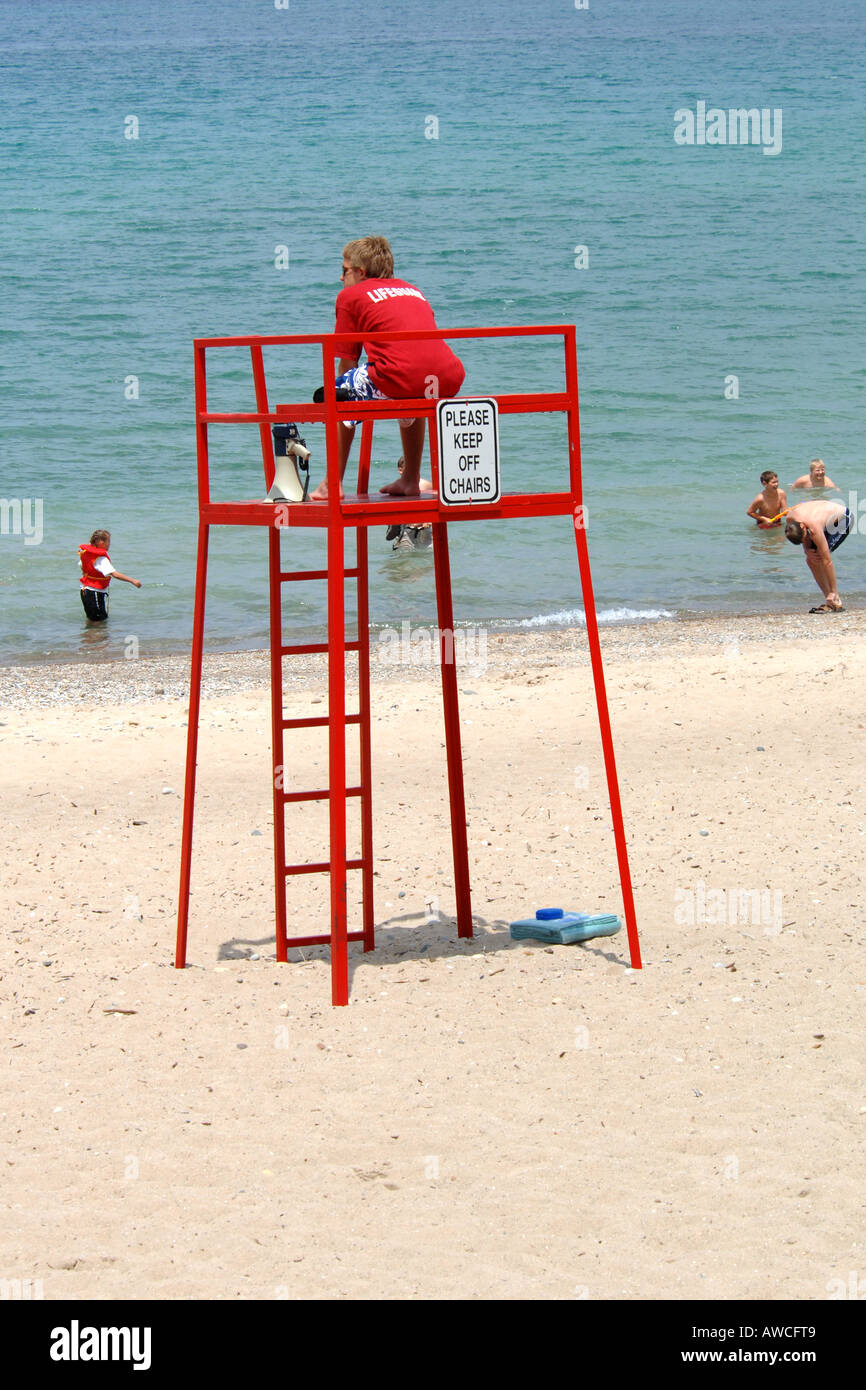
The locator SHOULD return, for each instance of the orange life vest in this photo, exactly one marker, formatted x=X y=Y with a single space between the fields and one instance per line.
x=90 y=576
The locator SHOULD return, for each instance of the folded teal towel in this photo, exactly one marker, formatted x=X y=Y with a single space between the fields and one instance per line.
x=567 y=928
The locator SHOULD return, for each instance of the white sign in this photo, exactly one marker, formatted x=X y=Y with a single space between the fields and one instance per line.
x=468 y=451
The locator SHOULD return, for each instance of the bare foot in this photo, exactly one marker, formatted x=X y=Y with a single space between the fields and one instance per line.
x=402 y=488
x=321 y=493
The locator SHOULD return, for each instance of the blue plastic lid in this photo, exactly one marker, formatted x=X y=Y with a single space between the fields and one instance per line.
x=549 y=914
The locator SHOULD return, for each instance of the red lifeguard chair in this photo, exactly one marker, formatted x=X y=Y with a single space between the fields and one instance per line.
x=357 y=512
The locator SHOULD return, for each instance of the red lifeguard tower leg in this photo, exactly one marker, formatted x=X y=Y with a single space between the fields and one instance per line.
x=336 y=703
x=453 y=750
x=607 y=746
x=366 y=749
x=579 y=521
x=337 y=761
x=191 y=744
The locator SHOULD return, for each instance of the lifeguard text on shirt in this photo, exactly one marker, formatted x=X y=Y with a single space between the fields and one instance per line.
x=468 y=451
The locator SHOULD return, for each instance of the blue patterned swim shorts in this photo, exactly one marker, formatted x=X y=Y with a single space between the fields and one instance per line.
x=357 y=382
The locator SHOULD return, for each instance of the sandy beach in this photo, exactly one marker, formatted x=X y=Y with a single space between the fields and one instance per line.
x=487 y=1119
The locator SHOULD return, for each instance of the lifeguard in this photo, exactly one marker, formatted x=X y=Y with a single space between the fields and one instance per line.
x=373 y=301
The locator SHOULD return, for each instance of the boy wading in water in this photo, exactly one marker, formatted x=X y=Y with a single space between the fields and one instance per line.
x=97 y=572
x=820 y=527
x=373 y=301
x=768 y=504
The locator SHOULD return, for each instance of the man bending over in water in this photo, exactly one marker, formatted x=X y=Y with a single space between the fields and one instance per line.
x=820 y=527
x=816 y=477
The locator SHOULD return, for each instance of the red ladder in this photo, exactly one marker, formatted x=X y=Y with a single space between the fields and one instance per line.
x=279 y=725
x=277 y=576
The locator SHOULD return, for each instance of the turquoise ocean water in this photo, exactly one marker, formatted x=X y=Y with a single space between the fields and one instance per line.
x=304 y=126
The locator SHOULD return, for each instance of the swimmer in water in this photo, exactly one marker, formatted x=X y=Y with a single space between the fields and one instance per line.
x=816 y=477
x=768 y=505
x=820 y=527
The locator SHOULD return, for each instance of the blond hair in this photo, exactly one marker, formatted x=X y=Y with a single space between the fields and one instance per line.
x=373 y=255
x=100 y=538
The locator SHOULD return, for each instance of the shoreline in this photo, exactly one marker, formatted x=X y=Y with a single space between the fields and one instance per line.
x=43 y=685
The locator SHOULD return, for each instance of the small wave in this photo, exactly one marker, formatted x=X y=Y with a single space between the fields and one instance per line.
x=570 y=617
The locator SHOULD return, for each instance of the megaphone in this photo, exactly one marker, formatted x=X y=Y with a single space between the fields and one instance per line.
x=291 y=459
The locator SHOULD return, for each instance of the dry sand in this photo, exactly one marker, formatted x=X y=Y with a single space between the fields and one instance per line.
x=487 y=1119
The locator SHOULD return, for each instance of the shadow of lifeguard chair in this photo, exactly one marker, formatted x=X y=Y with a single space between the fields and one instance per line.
x=357 y=512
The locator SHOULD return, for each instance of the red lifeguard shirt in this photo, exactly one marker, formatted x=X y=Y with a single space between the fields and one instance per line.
x=399 y=369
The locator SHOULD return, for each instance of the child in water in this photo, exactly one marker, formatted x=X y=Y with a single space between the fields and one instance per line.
x=768 y=505
x=816 y=477
x=97 y=572
x=411 y=537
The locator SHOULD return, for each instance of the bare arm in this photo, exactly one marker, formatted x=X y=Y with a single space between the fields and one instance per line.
x=754 y=511
x=823 y=559
x=819 y=541
x=126 y=579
